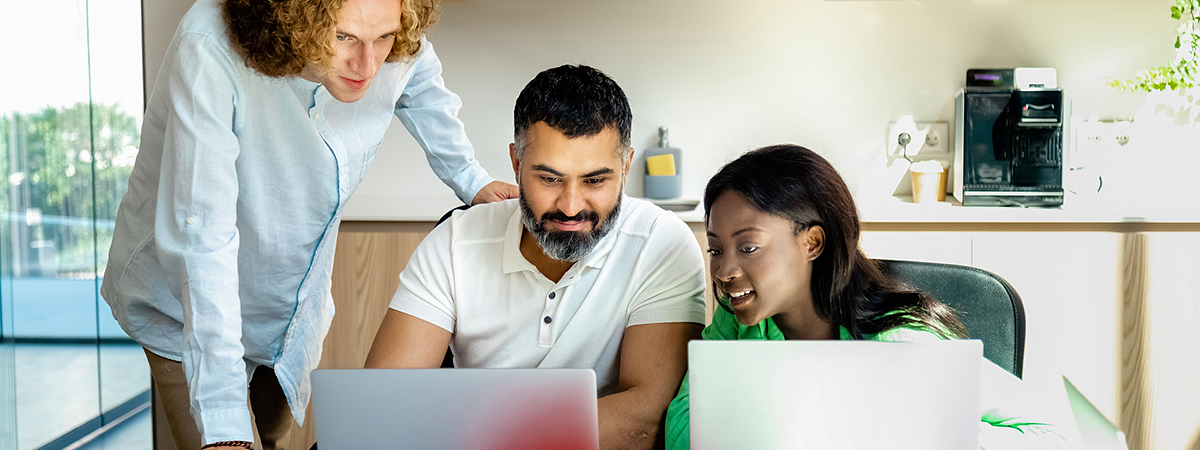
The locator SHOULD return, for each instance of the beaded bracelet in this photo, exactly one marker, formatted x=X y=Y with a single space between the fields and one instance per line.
x=242 y=444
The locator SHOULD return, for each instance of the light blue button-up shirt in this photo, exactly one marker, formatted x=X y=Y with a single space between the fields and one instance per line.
x=224 y=243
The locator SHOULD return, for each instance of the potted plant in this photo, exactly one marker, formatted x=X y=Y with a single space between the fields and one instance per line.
x=1184 y=71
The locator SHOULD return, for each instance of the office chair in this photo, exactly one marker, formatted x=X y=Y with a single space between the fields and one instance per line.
x=987 y=305
x=448 y=361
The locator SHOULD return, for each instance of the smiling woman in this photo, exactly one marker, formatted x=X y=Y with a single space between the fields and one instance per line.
x=795 y=204
x=783 y=234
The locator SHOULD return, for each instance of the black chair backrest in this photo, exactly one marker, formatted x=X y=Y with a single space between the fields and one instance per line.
x=449 y=213
x=986 y=304
x=448 y=360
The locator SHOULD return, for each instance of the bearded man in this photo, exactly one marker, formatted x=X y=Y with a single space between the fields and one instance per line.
x=572 y=274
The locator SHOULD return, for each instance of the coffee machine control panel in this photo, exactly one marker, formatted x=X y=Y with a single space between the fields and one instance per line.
x=1018 y=78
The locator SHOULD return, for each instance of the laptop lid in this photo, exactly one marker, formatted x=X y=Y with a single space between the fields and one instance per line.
x=834 y=394
x=487 y=409
x=1095 y=430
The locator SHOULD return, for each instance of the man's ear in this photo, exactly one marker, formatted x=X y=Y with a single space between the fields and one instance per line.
x=516 y=161
x=628 y=162
x=814 y=241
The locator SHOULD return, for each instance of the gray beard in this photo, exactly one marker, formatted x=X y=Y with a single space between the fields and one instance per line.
x=569 y=246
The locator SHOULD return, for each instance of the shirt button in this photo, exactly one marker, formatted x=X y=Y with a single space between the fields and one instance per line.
x=547 y=319
x=317 y=116
x=551 y=298
x=191 y=220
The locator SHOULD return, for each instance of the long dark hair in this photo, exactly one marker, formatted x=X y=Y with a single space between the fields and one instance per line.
x=848 y=289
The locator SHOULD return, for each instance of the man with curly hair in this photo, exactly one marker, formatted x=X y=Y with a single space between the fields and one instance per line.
x=264 y=118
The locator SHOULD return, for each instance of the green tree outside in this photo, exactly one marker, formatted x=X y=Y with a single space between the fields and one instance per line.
x=72 y=164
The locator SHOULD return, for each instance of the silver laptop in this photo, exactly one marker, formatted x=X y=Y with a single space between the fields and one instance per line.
x=834 y=394
x=1095 y=430
x=487 y=409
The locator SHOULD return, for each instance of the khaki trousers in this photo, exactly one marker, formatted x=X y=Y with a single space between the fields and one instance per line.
x=271 y=415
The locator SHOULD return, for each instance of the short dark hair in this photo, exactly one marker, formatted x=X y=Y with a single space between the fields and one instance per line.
x=576 y=101
x=848 y=289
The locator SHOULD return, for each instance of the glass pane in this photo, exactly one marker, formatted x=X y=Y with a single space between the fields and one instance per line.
x=52 y=243
x=57 y=390
x=69 y=137
x=8 y=391
x=116 y=78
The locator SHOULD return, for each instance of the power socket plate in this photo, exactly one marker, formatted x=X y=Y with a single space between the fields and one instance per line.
x=929 y=140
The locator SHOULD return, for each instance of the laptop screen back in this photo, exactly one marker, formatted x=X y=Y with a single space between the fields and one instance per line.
x=487 y=409
x=1096 y=431
x=834 y=394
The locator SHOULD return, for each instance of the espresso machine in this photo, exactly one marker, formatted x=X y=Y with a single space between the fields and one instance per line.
x=1010 y=127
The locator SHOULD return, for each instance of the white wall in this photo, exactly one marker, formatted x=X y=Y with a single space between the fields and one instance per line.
x=728 y=76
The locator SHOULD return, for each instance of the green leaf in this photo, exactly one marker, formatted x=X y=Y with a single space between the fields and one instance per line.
x=1184 y=70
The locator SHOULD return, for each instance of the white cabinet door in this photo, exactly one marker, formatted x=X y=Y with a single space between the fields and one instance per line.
x=1068 y=283
x=932 y=246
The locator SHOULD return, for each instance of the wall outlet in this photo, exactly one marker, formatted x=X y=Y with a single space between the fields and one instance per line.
x=927 y=140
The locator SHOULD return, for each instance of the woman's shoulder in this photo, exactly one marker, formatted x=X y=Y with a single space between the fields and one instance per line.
x=903 y=334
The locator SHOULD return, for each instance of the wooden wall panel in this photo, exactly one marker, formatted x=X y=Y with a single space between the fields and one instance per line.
x=1135 y=401
x=366 y=270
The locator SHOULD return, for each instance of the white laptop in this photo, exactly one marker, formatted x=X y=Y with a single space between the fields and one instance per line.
x=843 y=395
x=485 y=409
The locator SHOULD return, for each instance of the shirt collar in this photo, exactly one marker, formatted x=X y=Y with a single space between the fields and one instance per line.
x=513 y=260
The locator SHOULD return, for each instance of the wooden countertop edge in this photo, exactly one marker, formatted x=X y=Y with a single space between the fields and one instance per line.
x=421 y=226
x=386 y=226
x=1089 y=227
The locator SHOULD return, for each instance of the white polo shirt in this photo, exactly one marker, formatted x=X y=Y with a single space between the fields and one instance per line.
x=469 y=277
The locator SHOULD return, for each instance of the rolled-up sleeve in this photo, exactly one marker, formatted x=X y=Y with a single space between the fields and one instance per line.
x=430 y=113
x=674 y=290
x=426 y=283
x=197 y=237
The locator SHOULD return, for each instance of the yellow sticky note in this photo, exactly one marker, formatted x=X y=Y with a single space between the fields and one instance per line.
x=661 y=164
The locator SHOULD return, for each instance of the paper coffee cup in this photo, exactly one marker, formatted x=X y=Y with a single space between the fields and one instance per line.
x=928 y=181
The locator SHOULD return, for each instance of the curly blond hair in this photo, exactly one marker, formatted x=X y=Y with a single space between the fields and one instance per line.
x=281 y=37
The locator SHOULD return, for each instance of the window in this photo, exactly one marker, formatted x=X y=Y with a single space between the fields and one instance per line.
x=70 y=114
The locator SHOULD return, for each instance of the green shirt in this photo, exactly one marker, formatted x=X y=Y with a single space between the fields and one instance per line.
x=726 y=327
